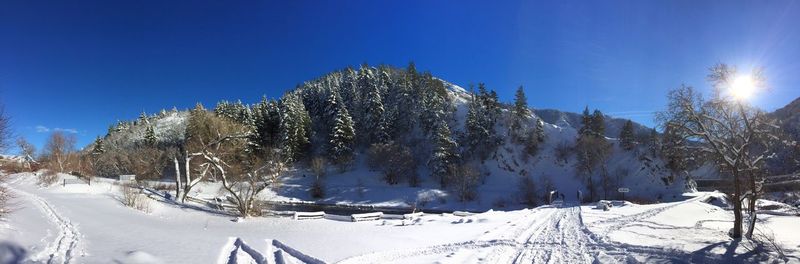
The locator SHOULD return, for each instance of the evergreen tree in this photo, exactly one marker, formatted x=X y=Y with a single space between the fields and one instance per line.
x=534 y=138
x=98 y=147
x=150 y=136
x=444 y=154
x=400 y=116
x=266 y=125
x=373 y=118
x=521 y=110
x=520 y=113
x=295 y=127
x=476 y=132
x=493 y=106
x=481 y=138
x=626 y=137
x=586 y=124
x=598 y=123
x=237 y=112
x=342 y=138
x=350 y=88
x=143 y=118
x=435 y=103
x=653 y=143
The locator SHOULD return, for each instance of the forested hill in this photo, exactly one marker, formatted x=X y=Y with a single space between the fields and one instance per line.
x=409 y=128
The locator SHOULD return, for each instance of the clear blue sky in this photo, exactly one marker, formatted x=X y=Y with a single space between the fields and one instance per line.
x=79 y=66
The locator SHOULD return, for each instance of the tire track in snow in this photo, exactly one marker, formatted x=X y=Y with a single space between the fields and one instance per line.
x=558 y=236
x=235 y=246
x=618 y=223
x=505 y=242
x=521 y=235
x=237 y=251
x=61 y=249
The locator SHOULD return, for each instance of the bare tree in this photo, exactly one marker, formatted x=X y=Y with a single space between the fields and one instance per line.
x=5 y=129
x=27 y=151
x=465 y=178
x=222 y=148
x=318 y=166
x=592 y=152
x=149 y=162
x=562 y=152
x=736 y=135
x=395 y=161
x=203 y=131
x=57 y=150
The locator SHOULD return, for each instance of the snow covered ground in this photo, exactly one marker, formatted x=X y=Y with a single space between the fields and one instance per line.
x=88 y=224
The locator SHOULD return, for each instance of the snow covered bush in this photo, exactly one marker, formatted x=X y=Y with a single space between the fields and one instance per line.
x=131 y=197
x=47 y=177
x=5 y=198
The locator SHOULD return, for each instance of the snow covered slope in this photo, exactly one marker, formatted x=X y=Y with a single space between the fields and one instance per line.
x=88 y=224
x=636 y=170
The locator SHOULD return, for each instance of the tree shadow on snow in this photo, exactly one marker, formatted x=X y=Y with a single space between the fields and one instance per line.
x=754 y=255
x=12 y=253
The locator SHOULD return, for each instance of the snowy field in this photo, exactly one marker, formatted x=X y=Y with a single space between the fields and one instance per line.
x=88 y=224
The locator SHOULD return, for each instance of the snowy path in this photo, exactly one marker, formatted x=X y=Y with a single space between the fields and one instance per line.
x=616 y=223
x=63 y=247
x=542 y=235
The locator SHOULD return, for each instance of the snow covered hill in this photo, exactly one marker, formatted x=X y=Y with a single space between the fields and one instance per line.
x=501 y=175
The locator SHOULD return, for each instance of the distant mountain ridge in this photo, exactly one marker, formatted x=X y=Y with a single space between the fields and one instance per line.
x=573 y=120
x=789 y=118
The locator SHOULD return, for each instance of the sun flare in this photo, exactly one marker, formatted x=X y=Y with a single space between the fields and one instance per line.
x=743 y=87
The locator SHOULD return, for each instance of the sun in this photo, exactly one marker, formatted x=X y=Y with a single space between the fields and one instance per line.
x=743 y=87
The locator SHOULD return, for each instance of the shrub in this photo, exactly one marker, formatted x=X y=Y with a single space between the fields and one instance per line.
x=13 y=167
x=395 y=161
x=133 y=199
x=5 y=199
x=563 y=151
x=500 y=202
x=466 y=180
x=317 y=189
x=527 y=191
x=47 y=178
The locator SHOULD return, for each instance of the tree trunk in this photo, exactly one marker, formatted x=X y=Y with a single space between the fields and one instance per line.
x=177 y=179
x=591 y=188
x=752 y=206
x=737 y=207
x=187 y=186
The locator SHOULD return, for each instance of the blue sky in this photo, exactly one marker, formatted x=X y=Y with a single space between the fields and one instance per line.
x=79 y=66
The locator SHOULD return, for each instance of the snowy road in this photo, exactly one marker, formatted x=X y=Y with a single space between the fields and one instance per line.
x=541 y=235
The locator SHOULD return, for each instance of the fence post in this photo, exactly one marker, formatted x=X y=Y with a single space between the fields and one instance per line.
x=65 y=183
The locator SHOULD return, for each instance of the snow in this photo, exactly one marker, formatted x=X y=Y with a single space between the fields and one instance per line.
x=87 y=224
